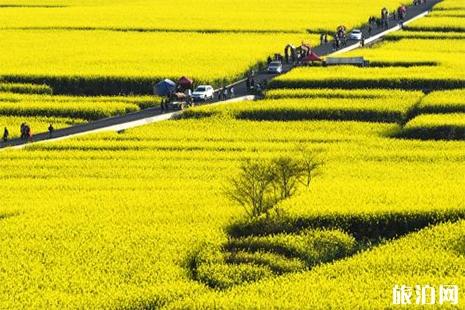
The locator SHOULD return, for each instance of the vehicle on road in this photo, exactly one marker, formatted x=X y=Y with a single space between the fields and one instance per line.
x=275 y=67
x=356 y=34
x=176 y=101
x=203 y=92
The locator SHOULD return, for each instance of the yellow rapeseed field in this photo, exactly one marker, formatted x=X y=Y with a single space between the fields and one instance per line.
x=141 y=219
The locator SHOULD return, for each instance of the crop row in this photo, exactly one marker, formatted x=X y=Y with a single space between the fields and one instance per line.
x=397 y=78
x=80 y=110
x=141 y=101
x=390 y=108
x=25 y=88
x=108 y=243
x=333 y=93
x=171 y=16
x=256 y=258
x=435 y=126
x=431 y=257
x=110 y=63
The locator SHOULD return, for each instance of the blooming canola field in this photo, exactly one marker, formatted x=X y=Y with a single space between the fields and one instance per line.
x=141 y=218
x=145 y=41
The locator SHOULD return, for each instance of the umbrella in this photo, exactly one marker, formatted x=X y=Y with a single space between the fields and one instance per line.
x=165 y=87
x=185 y=82
x=312 y=57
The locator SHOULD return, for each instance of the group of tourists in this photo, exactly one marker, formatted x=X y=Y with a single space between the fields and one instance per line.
x=323 y=38
x=255 y=87
x=225 y=93
x=340 y=37
x=294 y=54
x=383 y=21
x=250 y=83
x=25 y=132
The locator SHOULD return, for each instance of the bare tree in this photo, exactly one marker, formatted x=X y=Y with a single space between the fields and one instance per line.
x=309 y=164
x=287 y=172
x=261 y=185
x=253 y=188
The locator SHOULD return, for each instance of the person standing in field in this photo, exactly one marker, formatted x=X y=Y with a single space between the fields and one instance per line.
x=6 y=133
x=50 y=130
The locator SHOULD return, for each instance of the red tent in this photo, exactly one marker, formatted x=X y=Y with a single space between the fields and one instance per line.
x=312 y=57
x=185 y=82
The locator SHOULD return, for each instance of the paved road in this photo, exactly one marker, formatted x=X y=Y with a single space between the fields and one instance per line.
x=155 y=114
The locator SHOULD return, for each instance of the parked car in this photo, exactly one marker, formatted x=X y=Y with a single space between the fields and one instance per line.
x=203 y=92
x=275 y=67
x=356 y=34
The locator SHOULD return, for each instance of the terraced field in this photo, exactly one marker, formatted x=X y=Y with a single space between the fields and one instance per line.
x=142 y=218
x=120 y=205
x=96 y=45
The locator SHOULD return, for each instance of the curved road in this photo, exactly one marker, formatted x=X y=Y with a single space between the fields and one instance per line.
x=155 y=114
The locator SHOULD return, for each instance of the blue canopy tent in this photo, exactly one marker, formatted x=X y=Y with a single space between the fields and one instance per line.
x=164 y=88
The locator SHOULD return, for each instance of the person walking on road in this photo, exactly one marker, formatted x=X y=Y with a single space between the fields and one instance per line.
x=28 y=133
x=6 y=133
x=225 y=93
x=325 y=38
x=50 y=130
x=23 y=131
x=231 y=92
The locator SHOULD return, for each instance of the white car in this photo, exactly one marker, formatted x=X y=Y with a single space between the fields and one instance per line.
x=275 y=67
x=356 y=34
x=203 y=92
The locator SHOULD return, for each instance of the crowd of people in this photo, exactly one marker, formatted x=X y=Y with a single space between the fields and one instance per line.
x=339 y=37
x=225 y=93
x=25 y=132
